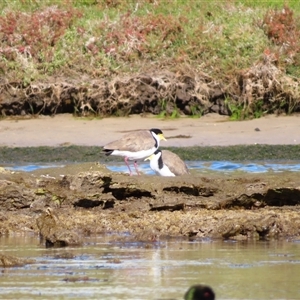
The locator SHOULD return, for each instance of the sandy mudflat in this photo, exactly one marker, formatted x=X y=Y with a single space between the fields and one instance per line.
x=210 y=130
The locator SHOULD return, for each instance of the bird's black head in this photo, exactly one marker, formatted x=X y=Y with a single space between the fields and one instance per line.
x=157 y=151
x=199 y=292
x=160 y=161
x=156 y=131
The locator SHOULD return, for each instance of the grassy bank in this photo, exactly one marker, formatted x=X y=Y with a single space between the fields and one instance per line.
x=104 y=38
x=84 y=40
x=90 y=154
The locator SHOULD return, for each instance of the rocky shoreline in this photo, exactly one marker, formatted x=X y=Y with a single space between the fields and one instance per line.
x=89 y=199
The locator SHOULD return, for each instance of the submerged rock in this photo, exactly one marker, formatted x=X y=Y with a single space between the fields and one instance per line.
x=13 y=261
x=52 y=231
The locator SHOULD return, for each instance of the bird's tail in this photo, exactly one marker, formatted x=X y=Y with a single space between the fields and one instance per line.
x=107 y=151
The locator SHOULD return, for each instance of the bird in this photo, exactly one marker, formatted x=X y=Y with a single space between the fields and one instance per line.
x=167 y=163
x=199 y=292
x=135 y=145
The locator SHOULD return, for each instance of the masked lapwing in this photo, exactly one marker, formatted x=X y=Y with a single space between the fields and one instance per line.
x=167 y=163
x=135 y=146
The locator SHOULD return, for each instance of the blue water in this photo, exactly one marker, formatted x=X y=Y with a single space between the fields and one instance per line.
x=201 y=166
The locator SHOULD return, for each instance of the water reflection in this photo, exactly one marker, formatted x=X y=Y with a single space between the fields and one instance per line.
x=104 y=269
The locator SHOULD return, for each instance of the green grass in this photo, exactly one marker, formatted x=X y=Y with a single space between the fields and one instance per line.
x=295 y=5
x=220 y=35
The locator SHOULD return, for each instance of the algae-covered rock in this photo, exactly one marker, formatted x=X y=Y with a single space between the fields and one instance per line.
x=88 y=198
x=13 y=261
x=53 y=232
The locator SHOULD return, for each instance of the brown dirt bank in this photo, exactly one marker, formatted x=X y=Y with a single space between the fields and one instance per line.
x=256 y=91
x=87 y=198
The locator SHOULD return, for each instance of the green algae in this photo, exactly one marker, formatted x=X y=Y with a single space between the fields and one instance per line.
x=75 y=153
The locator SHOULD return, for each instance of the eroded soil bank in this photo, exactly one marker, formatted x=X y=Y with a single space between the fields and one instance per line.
x=87 y=198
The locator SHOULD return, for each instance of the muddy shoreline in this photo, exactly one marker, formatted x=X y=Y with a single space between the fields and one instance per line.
x=209 y=130
x=87 y=198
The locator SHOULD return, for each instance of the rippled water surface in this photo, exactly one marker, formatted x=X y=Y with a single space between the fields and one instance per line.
x=198 y=166
x=105 y=269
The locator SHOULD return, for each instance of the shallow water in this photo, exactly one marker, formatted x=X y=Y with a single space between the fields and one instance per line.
x=196 y=166
x=103 y=269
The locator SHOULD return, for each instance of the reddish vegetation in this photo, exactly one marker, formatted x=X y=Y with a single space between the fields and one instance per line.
x=36 y=34
x=134 y=35
x=282 y=29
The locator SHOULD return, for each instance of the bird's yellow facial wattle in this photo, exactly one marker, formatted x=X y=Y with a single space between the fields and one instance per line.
x=149 y=157
x=161 y=137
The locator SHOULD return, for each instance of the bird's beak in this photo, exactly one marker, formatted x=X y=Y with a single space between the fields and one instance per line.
x=148 y=158
x=161 y=136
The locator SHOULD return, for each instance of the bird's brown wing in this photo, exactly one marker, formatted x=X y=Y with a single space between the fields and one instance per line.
x=134 y=141
x=176 y=165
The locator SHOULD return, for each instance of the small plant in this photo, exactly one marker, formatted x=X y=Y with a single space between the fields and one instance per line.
x=162 y=114
x=258 y=109
x=175 y=113
x=236 y=109
x=280 y=26
x=196 y=112
x=163 y=109
x=165 y=112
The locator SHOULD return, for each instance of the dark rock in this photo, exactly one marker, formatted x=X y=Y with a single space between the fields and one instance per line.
x=179 y=206
x=282 y=196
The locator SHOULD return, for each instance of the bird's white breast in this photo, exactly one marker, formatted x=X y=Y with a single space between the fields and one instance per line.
x=164 y=171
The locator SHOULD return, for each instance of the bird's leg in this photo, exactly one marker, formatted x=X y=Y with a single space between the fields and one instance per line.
x=127 y=164
x=136 y=167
